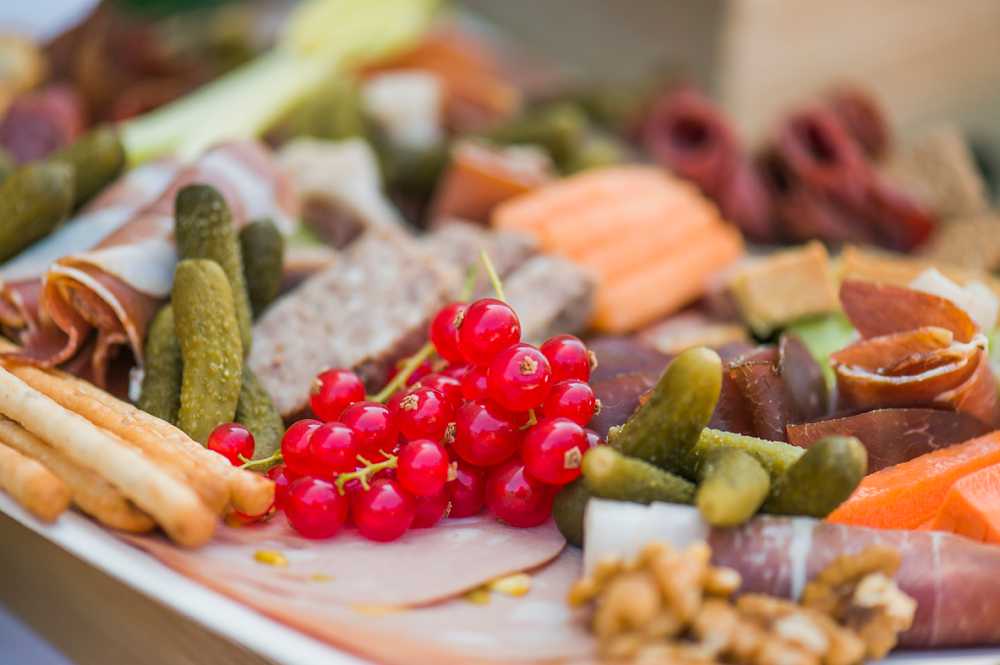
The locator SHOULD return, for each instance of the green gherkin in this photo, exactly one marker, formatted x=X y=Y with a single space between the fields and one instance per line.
x=263 y=249
x=34 y=199
x=208 y=334
x=732 y=487
x=162 y=370
x=611 y=475
x=204 y=230
x=826 y=474
x=665 y=429
x=97 y=158
x=256 y=411
x=568 y=509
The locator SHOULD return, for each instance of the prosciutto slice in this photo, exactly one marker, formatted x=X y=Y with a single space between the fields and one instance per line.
x=955 y=581
x=107 y=290
x=919 y=350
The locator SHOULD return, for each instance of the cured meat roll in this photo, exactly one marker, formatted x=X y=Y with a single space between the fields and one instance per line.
x=955 y=581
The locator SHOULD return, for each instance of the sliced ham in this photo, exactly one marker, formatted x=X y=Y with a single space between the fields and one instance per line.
x=453 y=557
x=111 y=289
x=955 y=581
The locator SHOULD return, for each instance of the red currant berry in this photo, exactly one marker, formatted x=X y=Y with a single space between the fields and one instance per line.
x=315 y=508
x=333 y=391
x=375 y=428
x=422 y=468
x=467 y=491
x=448 y=386
x=519 y=378
x=474 y=383
x=485 y=434
x=571 y=399
x=553 y=450
x=444 y=331
x=232 y=441
x=423 y=413
x=489 y=327
x=333 y=449
x=383 y=512
x=430 y=510
x=569 y=358
x=593 y=438
x=282 y=479
x=516 y=498
x=295 y=446
x=455 y=371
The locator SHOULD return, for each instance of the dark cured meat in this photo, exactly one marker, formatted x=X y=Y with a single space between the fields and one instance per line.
x=40 y=122
x=881 y=309
x=803 y=377
x=686 y=133
x=892 y=436
x=620 y=396
x=817 y=157
x=623 y=355
x=955 y=581
x=757 y=383
x=863 y=119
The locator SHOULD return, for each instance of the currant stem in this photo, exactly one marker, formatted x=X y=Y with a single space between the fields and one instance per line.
x=492 y=272
x=469 y=286
x=252 y=464
x=532 y=420
x=409 y=367
x=367 y=471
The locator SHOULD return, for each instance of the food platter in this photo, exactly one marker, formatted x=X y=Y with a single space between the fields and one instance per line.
x=433 y=353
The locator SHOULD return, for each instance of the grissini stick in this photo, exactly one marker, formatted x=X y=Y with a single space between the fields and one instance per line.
x=91 y=493
x=174 y=506
x=249 y=493
x=32 y=485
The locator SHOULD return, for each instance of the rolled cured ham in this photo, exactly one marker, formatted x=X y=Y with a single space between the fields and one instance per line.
x=955 y=581
x=111 y=274
x=919 y=350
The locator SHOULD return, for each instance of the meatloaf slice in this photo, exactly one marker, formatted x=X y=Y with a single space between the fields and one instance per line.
x=365 y=312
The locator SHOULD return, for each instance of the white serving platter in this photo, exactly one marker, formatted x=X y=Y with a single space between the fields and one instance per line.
x=244 y=626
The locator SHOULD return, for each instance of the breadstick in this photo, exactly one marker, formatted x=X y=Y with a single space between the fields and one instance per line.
x=32 y=485
x=173 y=505
x=91 y=493
x=250 y=493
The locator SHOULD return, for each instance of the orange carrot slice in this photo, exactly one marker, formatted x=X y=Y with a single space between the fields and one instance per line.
x=908 y=494
x=668 y=283
x=479 y=177
x=971 y=508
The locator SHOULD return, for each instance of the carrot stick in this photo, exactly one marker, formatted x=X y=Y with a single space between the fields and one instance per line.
x=668 y=283
x=971 y=508
x=32 y=485
x=909 y=494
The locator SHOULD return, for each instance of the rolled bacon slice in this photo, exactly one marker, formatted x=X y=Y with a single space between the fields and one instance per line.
x=880 y=309
x=110 y=292
x=955 y=581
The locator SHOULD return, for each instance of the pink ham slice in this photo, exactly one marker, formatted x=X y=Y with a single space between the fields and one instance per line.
x=111 y=292
x=955 y=581
x=424 y=566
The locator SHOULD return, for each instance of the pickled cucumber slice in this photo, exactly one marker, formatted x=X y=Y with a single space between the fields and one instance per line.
x=34 y=199
x=161 y=380
x=209 y=337
x=205 y=231
x=97 y=158
x=256 y=411
x=733 y=486
x=664 y=430
x=827 y=473
x=263 y=249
